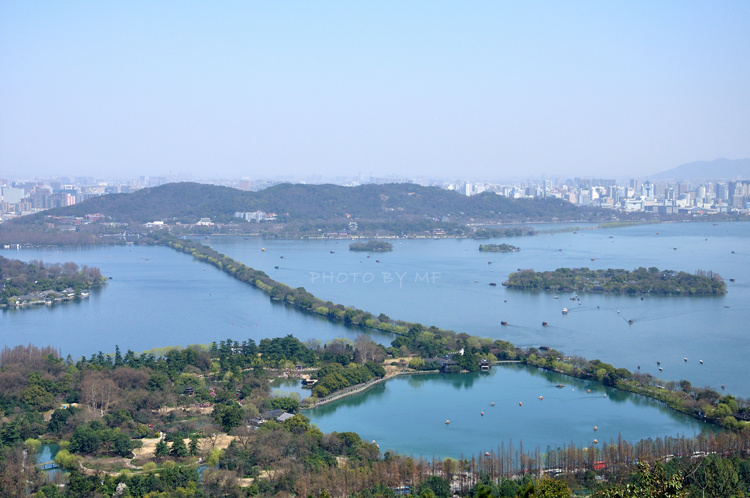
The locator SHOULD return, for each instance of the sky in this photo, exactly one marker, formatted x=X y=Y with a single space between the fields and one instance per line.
x=482 y=90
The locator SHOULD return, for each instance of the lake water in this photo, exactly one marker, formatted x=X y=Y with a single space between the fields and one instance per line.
x=158 y=297
x=408 y=413
x=445 y=283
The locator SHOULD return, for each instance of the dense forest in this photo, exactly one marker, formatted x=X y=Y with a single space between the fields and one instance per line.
x=638 y=281
x=18 y=278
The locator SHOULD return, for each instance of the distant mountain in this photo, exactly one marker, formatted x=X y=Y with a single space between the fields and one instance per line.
x=188 y=202
x=718 y=169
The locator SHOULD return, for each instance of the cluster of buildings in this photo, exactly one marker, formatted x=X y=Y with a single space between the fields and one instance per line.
x=660 y=197
x=256 y=216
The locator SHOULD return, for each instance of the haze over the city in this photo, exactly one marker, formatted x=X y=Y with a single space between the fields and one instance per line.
x=487 y=90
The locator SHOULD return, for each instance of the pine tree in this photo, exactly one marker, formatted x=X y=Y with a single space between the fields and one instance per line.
x=161 y=449
x=178 y=448
x=193 y=446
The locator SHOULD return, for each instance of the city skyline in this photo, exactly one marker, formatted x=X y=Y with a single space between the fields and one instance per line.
x=493 y=91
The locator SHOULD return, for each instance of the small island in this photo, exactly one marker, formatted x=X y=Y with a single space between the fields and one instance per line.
x=371 y=246
x=25 y=284
x=638 y=281
x=498 y=248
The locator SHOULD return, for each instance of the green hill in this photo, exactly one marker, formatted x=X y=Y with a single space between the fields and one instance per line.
x=188 y=202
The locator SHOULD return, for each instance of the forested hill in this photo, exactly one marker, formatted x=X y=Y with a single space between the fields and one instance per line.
x=294 y=202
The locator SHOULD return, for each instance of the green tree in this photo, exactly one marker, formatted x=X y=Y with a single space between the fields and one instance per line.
x=161 y=449
x=439 y=487
x=193 y=446
x=178 y=448
x=228 y=416
x=650 y=483
x=122 y=445
x=84 y=440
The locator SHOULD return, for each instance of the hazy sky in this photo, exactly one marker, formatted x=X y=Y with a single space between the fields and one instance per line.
x=482 y=89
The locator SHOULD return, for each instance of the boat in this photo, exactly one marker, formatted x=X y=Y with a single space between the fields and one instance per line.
x=447 y=422
x=493 y=284
x=565 y=311
x=731 y=280
x=492 y=404
x=276 y=267
x=560 y=386
x=503 y=323
x=332 y=252
x=630 y=322
x=544 y=324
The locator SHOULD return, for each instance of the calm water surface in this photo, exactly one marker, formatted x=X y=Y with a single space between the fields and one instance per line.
x=446 y=283
x=157 y=297
x=408 y=413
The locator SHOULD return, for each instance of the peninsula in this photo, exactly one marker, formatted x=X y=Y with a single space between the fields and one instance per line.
x=24 y=284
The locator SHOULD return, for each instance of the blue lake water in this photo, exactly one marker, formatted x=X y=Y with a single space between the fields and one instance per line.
x=408 y=413
x=157 y=297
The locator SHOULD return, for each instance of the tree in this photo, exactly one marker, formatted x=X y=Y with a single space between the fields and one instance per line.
x=84 y=440
x=193 y=446
x=122 y=445
x=178 y=448
x=546 y=488
x=161 y=449
x=228 y=416
x=651 y=483
x=439 y=487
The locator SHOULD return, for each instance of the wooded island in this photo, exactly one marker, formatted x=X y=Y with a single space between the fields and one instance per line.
x=498 y=248
x=371 y=246
x=638 y=281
